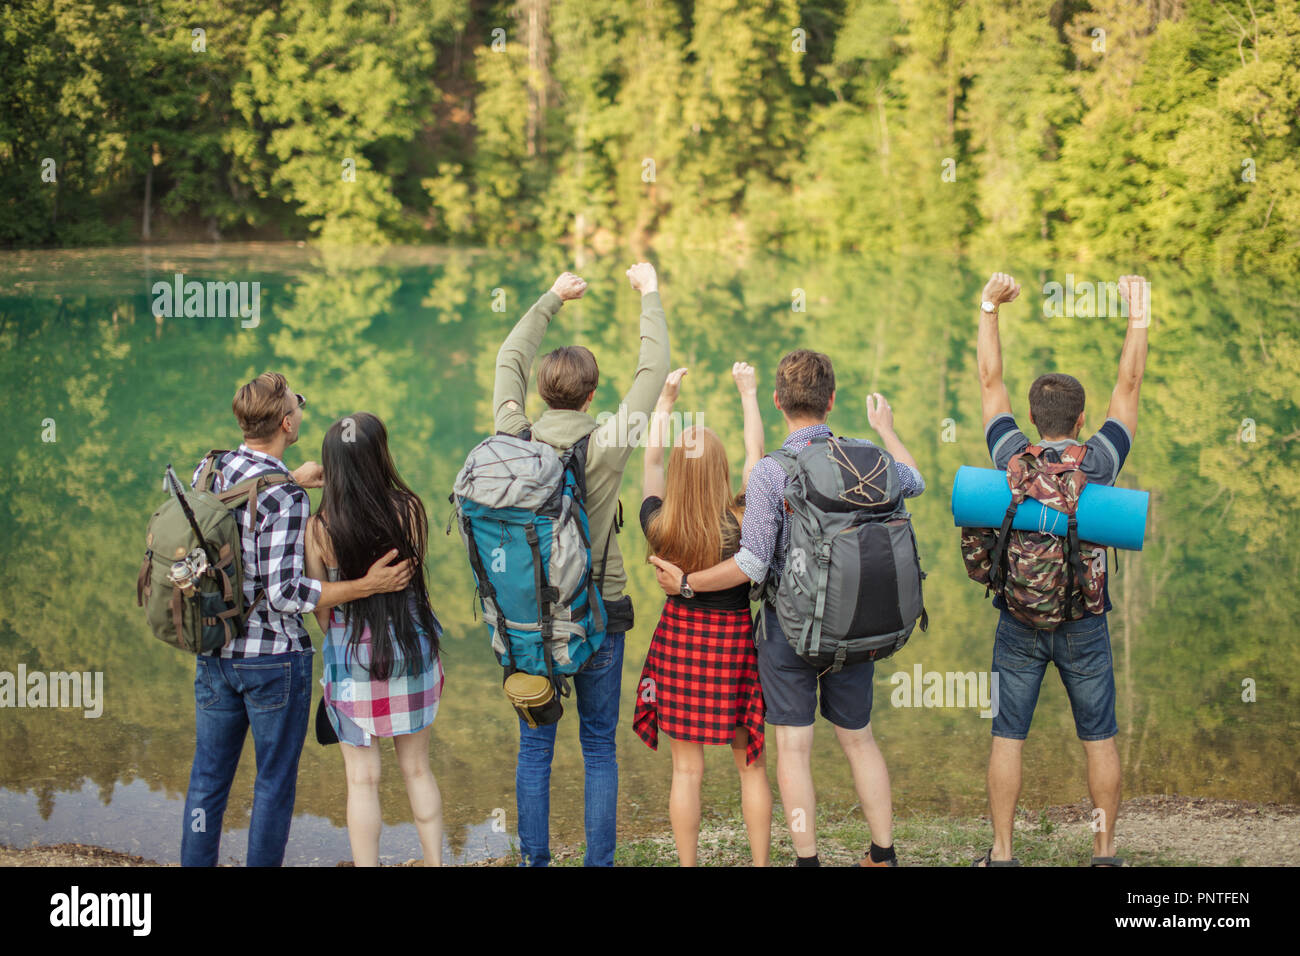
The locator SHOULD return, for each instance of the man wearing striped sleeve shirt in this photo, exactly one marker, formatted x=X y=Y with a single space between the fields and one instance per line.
x=262 y=678
x=1079 y=648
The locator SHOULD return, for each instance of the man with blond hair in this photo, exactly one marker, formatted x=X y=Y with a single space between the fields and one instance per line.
x=262 y=678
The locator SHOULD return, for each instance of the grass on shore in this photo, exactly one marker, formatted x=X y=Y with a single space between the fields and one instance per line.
x=920 y=840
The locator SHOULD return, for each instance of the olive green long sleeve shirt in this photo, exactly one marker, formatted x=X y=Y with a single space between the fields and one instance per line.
x=612 y=437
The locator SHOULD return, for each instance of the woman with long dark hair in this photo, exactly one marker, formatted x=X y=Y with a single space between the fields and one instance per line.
x=383 y=677
x=700 y=682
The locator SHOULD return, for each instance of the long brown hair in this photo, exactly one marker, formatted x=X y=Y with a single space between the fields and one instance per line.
x=688 y=529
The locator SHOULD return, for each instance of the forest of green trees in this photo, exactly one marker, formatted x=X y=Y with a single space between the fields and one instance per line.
x=1102 y=130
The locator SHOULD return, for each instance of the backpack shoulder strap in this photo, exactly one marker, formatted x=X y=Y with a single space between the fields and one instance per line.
x=1074 y=455
x=575 y=460
x=208 y=470
x=787 y=459
x=247 y=491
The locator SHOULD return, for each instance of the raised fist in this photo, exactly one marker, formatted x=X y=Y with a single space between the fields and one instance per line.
x=746 y=378
x=1000 y=288
x=568 y=286
x=1136 y=292
x=643 y=278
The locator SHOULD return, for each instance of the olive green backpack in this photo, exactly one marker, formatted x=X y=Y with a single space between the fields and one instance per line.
x=194 y=539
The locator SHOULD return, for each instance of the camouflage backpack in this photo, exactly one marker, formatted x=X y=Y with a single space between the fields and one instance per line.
x=1043 y=578
x=191 y=583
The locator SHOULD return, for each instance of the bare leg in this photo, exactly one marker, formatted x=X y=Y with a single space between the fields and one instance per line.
x=794 y=778
x=871 y=780
x=364 y=819
x=422 y=791
x=1004 y=792
x=1104 y=787
x=684 y=798
x=755 y=798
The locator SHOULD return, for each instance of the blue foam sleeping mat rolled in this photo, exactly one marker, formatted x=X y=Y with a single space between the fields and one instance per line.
x=1113 y=517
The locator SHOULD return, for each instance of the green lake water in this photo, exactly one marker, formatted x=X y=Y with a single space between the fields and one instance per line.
x=1205 y=616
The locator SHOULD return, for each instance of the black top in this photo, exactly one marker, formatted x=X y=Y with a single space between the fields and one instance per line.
x=732 y=599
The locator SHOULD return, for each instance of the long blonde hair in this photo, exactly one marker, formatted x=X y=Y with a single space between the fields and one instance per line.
x=688 y=529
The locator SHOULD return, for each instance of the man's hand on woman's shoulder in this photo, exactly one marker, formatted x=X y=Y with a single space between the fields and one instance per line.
x=385 y=577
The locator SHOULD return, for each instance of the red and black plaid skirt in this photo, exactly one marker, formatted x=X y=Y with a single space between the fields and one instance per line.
x=700 y=680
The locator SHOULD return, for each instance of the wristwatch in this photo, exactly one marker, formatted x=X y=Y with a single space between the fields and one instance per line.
x=686 y=590
x=988 y=306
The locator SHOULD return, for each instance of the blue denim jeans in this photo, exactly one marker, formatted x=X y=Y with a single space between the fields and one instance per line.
x=597 y=689
x=272 y=694
x=1081 y=652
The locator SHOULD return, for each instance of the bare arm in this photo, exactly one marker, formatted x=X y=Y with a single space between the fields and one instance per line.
x=316 y=565
x=383 y=577
x=747 y=382
x=652 y=485
x=721 y=576
x=881 y=417
x=994 y=398
x=1136 y=291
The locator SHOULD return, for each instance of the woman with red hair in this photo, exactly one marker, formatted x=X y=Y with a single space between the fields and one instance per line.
x=700 y=681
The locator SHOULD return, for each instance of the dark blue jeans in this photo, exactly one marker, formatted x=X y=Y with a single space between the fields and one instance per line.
x=597 y=690
x=272 y=694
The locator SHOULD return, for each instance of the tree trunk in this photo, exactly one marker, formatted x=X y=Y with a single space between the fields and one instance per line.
x=148 y=203
x=884 y=130
x=535 y=35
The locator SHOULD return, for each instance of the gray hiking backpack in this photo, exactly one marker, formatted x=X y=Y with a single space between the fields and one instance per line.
x=851 y=587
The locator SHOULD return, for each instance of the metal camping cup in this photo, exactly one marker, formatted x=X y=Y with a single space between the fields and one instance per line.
x=533 y=697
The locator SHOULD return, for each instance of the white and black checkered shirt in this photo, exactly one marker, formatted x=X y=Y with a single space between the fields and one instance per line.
x=273 y=557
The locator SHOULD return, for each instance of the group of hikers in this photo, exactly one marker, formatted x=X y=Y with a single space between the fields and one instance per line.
x=713 y=675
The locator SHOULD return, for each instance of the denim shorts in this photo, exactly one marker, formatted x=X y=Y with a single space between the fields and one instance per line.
x=1081 y=652
x=791 y=685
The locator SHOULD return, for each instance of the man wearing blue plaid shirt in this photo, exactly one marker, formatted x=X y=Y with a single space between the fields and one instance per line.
x=262 y=678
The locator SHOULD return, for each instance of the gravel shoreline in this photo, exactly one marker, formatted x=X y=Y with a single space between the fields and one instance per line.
x=1153 y=830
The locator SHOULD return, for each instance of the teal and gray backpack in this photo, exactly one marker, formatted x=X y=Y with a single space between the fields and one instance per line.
x=522 y=515
x=191 y=583
x=850 y=590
